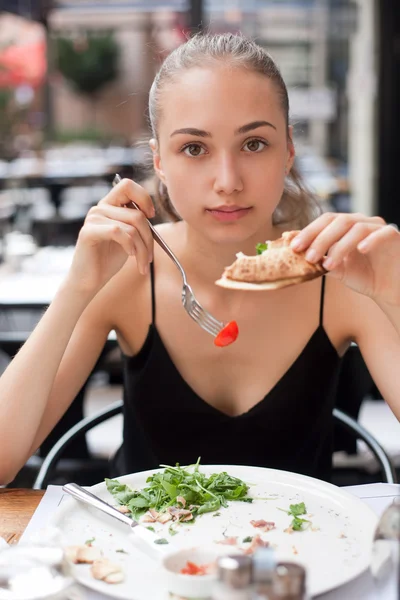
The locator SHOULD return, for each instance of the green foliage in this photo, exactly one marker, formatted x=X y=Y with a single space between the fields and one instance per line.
x=90 y=135
x=203 y=494
x=88 y=65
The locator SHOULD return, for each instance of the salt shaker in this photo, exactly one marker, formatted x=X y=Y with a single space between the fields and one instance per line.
x=264 y=564
x=235 y=574
x=289 y=582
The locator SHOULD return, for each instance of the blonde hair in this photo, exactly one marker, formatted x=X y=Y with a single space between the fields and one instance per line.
x=297 y=205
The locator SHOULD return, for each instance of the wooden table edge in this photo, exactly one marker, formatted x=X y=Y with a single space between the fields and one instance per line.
x=17 y=506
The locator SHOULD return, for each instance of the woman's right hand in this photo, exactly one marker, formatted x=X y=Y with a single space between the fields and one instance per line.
x=112 y=231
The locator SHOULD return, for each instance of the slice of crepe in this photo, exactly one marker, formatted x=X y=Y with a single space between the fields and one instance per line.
x=278 y=266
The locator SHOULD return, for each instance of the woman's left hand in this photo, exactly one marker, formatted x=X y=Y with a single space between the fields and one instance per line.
x=363 y=252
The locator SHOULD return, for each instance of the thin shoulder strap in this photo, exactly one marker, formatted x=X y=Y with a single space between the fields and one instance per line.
x=153 y=294
x=321 y=305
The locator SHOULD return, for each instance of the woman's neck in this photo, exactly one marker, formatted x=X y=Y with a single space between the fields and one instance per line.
x=206 y=259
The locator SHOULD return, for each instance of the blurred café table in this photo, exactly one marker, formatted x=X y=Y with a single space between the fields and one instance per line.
x=55 y=174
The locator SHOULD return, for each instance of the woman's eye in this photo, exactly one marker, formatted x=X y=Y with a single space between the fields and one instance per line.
x=193 y=150
x=255 y=145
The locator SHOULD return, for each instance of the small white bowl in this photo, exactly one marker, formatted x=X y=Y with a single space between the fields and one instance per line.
x=193 y=586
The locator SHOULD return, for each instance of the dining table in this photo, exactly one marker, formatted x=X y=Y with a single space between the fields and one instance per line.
x=17 y=506
x=25 y=512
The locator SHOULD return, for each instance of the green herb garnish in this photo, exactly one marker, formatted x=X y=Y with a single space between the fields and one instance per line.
x=89 y=542
x=261 y=248
x=247 y=539
x=161 y=541
x=151 y=528
x=297 y=523
x=171 y=530
x=122 y=551
x=204 y=493
x=295 y=510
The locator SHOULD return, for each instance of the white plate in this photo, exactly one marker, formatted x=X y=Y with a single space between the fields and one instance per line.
x=334 y=550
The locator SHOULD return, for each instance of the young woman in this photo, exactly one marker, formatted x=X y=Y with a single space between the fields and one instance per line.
x=224 y=154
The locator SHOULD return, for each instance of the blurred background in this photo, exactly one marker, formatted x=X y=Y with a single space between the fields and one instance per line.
x=74 y=82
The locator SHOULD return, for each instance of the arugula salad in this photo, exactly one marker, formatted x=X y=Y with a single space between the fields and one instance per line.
x=185 y=489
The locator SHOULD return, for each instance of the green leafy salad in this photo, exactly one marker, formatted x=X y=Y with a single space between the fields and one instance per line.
x=182 y=488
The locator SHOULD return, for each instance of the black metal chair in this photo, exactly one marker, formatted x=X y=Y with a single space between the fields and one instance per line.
x=79 y=429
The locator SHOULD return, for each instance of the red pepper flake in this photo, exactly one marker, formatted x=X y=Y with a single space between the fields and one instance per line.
x=192 y=569
x=227 y=335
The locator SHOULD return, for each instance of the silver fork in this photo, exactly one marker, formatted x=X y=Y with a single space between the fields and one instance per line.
x=190 y=304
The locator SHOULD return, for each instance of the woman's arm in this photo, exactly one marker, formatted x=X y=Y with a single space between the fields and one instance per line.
x=49 y=370
x=363 y=253
x=377 y=334
x=35 y=390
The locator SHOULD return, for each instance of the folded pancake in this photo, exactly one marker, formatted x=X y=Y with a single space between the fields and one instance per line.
x=278 y=266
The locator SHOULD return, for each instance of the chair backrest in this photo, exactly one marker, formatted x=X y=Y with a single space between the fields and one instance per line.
x=341 y=418
x=72 y=434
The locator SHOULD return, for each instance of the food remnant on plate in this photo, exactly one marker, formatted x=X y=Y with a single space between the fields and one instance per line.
x=263 y=525
x=107 y=571
x=228 y=541
x=227 y=335
x=101 y=568
x=83 y=554
x=90 y=542
x=247 y=539
x=192 y=568
x=257 y=542
x=123 y=509
x=297 y=523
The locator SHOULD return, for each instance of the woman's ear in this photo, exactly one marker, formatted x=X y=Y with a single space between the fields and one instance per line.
x=291 y=151
x=157 y=159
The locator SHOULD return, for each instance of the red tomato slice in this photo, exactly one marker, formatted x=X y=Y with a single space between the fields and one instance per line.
x=192 y=569
x=227 y=335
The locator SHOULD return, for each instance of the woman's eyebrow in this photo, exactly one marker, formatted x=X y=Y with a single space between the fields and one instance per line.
x=202 y=133
x=254 y=125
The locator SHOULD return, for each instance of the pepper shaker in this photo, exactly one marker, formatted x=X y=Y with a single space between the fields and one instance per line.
x=289 y=582
x=235 y=573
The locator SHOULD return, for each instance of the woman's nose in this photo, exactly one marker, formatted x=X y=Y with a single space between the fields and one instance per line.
x=227 y=176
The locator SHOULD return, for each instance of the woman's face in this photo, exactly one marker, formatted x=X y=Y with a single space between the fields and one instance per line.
x=223 y=150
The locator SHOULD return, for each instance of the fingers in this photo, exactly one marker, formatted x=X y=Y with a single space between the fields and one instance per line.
x=376 y=237
x=127 y=191
x=335 y=235
x=348 y=243
x=127 y=227
x=94 y=233
x=134 y=218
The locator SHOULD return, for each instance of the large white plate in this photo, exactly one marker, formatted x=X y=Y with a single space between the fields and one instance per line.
x=334 y=550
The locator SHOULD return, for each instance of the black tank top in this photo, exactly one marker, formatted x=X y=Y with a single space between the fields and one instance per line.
x=166 y=422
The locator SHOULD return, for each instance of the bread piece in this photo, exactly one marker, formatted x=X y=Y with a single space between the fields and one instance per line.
x=279 y=266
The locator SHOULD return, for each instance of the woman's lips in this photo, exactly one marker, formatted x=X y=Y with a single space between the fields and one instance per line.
x=228 y=214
